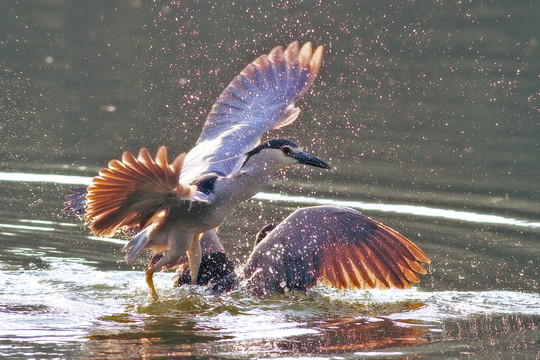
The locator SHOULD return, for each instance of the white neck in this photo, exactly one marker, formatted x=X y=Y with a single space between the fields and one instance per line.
x=252 y=177
x=240 y=186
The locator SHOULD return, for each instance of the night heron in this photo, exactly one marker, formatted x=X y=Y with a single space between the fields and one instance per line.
x=174 y=203
x=328 y=245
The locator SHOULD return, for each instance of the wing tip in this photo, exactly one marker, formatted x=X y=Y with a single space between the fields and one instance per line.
x=304 y=57
x=292 y=51
x=278 y=78
x=414 y=250
x=294 y=56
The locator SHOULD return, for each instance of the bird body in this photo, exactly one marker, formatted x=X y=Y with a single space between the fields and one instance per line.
x=174 y=203
x=214 y=198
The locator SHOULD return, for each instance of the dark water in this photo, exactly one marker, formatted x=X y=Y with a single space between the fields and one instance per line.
x=429 y=114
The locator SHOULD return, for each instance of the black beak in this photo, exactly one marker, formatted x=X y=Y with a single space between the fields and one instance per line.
x=306 y=159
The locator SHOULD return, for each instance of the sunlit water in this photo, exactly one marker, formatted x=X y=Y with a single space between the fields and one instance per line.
x=427 y=111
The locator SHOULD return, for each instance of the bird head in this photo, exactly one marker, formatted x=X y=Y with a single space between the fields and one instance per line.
x=265 y=230
x=277 y=154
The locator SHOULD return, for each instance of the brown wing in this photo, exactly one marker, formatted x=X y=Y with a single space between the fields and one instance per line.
x=333 y=246
x=368 y=255
x=129 y=192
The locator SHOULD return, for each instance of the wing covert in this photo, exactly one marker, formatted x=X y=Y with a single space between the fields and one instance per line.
x=259 y=99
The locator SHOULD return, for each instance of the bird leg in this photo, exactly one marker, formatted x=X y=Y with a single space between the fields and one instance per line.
x=150 y=281
x=194 y=255
x=183 y=242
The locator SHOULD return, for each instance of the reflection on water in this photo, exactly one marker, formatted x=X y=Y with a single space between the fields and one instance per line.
x=46 y=178
x=352 y=335
x=464 y=216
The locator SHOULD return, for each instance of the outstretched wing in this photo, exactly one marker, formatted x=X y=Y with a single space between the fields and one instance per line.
x=131 y=191
x=333 y=246
x=259 y=99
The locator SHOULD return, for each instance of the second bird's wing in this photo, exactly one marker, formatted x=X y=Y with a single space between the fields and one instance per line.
x=259 y=99
x=333 y=246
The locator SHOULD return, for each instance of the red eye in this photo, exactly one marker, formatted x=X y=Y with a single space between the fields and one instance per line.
x=286 y=150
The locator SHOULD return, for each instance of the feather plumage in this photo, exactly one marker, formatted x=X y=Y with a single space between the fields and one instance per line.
x=129 y=192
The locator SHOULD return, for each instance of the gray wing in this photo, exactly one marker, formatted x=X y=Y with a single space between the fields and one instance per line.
x=333 y=246
x=259 y=99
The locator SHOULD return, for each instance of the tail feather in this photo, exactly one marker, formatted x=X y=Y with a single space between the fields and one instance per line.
x=129 y=192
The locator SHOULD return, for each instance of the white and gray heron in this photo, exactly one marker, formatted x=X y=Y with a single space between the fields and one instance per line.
x=174 y=203
x=328 y=245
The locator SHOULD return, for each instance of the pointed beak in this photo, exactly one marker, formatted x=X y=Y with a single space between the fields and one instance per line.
x=306 y=159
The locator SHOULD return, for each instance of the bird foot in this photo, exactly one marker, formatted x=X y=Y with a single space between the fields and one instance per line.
x=150 y=282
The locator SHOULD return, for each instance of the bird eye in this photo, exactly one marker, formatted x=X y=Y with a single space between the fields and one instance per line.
x=286 y=150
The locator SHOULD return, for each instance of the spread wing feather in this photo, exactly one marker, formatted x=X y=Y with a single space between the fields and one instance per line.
x=129 y=192
x=333 y=246
x=259 y=99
